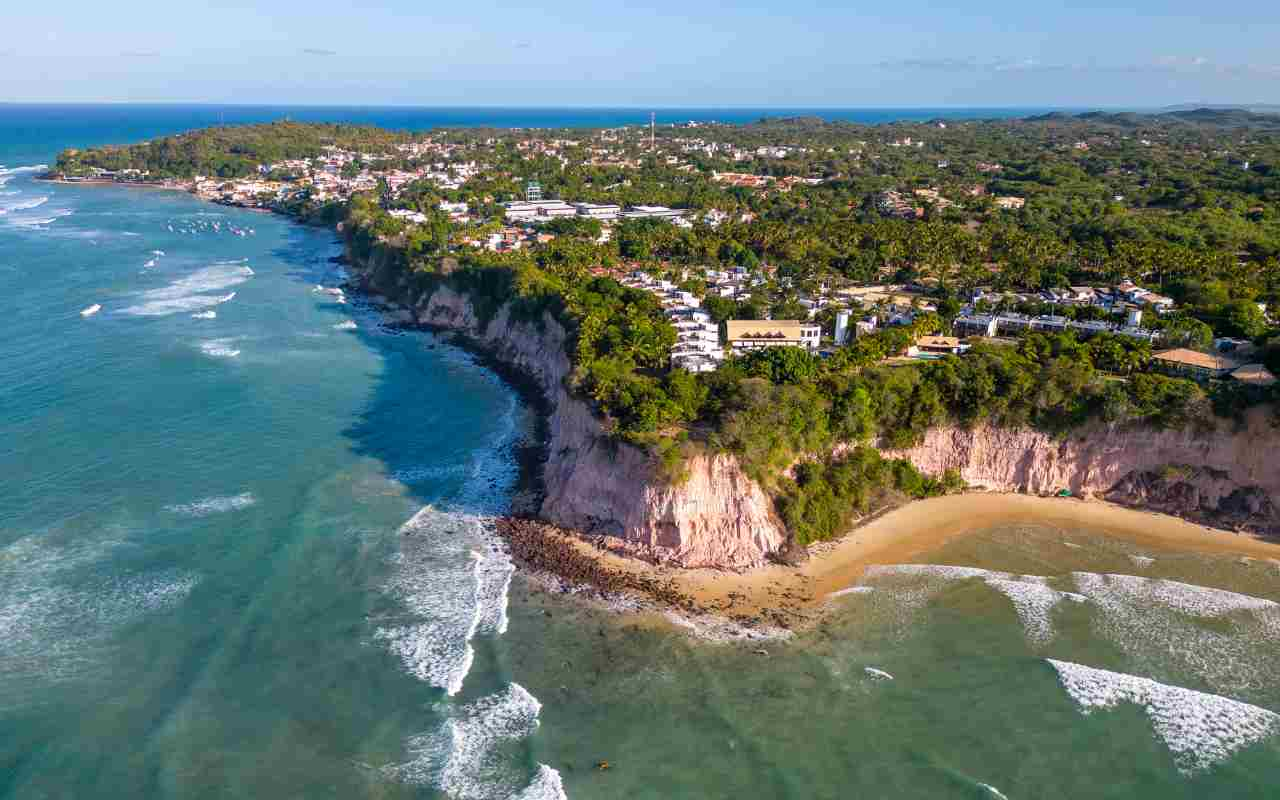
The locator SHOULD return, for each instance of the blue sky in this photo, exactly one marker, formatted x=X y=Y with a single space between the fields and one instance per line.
x=799 y=53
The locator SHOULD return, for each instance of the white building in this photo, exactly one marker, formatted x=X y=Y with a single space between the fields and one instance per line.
x=600 y=211
x=653 y=212
x=534 y=210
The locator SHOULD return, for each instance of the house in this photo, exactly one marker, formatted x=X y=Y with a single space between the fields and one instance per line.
x=1253 y=375
x=750 y=334
x=1194 y=364
x=936 y=345
x=1010 y=203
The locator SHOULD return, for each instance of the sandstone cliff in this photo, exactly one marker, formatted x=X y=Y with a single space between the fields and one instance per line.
x=717 y=517
x=1230 y=476
x=720 y=518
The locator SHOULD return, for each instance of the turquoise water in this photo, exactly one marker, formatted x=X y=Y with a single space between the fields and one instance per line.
x=244 y=555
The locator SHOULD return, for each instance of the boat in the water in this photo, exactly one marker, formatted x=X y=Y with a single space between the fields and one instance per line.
x=91 y=310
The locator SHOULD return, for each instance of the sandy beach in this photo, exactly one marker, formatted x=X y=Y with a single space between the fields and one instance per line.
x=793 y=595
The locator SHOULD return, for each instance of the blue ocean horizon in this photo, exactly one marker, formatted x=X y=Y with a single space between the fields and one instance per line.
x=33 y=130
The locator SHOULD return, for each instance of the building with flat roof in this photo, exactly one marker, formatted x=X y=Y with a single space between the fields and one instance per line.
x=601 y=211
x=751 y=334
x=535 y=210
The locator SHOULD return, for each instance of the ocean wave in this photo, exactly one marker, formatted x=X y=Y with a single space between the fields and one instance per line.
x=26 y=168
x=192 y=293
x=452 y=576
x=23 y=205
x=1033 y=603
x=1225 y=638
x=467 y=757
x=54 y=619
x=993 y=791
x=1033 y=599
x=346 y=325
x=210 y=314
x=219 y=348
x=1199 y=729
x=213 y=505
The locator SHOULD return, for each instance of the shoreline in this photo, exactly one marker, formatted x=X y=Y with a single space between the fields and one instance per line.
x=796 y=597
x=778 y=595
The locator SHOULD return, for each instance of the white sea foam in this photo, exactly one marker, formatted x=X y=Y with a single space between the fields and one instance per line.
x=346 y=325
x=23 y=205
x=721 y=629
x=877 y=674
x=210 y=314
x=1159 y=623
x=1200 y=601
x=1199 y=729
x=213 y=505
x=1034 y=604
x=54 y=616
x=453 y=577
x=219 y=348
x=1032 y=598
x=465 y=758
x=546 y=785
x=851 y=590
x=193 y=292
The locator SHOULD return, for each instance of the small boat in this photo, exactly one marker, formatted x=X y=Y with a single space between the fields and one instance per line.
x=91 y=310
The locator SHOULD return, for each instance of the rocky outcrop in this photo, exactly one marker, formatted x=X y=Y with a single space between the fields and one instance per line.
x=716 y=517
x=1230 y=476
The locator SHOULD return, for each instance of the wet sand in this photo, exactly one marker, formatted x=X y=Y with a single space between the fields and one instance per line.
x=793 y=596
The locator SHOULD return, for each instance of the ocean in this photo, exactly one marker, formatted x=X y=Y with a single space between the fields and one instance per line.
x=244 y=552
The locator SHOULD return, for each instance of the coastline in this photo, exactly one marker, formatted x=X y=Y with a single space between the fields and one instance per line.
x=796 y=597
x=784 y=597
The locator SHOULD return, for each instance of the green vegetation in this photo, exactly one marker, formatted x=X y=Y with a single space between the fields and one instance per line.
x=1185 y=204
x=228 y=152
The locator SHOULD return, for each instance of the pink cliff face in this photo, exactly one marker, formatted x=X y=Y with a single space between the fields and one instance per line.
x=1180 y=471
x=717 y=517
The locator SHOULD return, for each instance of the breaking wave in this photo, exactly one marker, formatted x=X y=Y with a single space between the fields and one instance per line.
x=1199 y=729
x=1227 y=639
x=466 y=757
x=452 y=578
x=193 y=292
x=23 y=205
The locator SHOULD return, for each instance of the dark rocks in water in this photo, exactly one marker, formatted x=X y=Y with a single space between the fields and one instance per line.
x=544 y=548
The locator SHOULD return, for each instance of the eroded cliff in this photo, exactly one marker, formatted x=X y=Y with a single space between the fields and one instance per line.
x=716 y=517
x=720 y=518
x=1229 y=476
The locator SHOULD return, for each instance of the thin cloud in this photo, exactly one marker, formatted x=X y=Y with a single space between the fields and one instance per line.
x=318 y=51
x=139 y=54
x=1163 y=65
x=523 y=45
